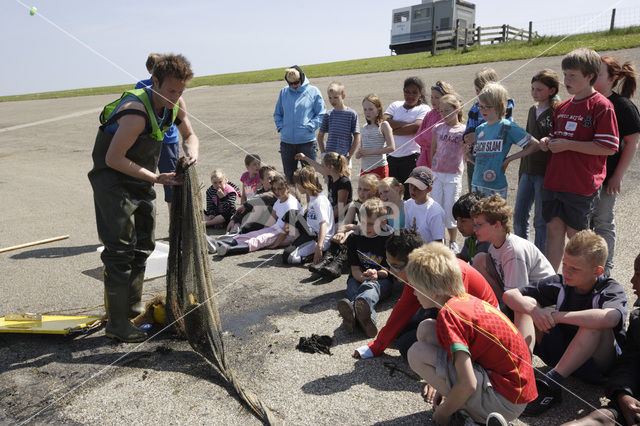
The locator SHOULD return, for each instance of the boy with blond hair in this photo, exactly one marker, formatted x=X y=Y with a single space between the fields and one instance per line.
x=584 y=132
x=471 y=354
x=340 y=125
x=573 y=321
x=369 y=281
x=493 y=142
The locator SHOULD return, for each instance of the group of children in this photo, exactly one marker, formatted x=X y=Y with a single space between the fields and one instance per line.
x=469 y=319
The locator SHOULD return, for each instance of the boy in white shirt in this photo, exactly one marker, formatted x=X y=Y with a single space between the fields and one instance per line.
x=421 y=212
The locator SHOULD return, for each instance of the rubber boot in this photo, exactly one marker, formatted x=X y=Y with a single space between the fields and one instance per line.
x=334 y=269
x=227 y=250
x=286 y=253
x=326 y=259
x=136 y=307
x=116 y=303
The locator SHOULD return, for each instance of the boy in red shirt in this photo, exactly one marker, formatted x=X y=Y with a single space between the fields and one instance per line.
x=583 y=134
x=472 y=356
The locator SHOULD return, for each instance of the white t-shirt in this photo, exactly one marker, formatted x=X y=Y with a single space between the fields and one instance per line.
x=319 y=211
x=281 y=208
x=428 y=219
x=405 y=145
x=519 y=262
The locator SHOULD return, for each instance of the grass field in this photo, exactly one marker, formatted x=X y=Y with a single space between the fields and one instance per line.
x=545 y=46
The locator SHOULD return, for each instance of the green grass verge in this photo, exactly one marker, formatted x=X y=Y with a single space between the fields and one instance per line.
x=618 y=39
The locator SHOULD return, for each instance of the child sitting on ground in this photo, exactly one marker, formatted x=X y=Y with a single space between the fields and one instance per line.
x=421 y=212
x=462 y=212
x=221 y=200
x=472 y=356
x=368 y=282
x=407 y=313
x=574 y=321
x=391 y=193
x=316 y=230
x=336 y=173
x=340 y=124
x=251 y=178
x=493 y=141
x=255 y=213
x=274 y=236
x=511 y=261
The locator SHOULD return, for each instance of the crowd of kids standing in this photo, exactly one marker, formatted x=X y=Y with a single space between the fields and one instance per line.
x=469 y=318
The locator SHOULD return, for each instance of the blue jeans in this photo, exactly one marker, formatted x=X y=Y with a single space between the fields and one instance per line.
x=488 y=192
x=288 y=153
x=530 y=194
x=603 y=224
x=371 y=291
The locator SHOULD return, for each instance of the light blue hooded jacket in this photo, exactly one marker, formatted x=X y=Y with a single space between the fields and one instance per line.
x=299 y=113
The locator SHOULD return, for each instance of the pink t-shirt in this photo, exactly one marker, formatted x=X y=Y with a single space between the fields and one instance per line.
x=424 y=137
x=250 y=185
x=449 y=156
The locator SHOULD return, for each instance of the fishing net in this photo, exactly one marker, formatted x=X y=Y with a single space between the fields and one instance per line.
x=191 y=301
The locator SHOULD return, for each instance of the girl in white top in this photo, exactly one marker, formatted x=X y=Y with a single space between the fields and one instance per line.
x=447 y=153
x=377 y=139
x=274 y=236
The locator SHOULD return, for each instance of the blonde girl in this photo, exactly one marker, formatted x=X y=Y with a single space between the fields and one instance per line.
x=316 y=230
x=425 y=135
x=448 y=151
x=391 y=192
x=334 y=168
x=377 y=139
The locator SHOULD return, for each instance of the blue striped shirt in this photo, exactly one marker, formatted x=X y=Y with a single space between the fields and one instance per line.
x=341 y=125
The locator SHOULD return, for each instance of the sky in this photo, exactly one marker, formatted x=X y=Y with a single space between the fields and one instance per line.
x=71 y=44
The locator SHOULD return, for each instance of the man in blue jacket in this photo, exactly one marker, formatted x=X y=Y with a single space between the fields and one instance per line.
x=298 y=115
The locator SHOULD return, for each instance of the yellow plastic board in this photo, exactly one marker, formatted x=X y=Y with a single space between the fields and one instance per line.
x=45 y=324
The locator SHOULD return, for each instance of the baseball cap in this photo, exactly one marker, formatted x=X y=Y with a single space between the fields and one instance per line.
x=421 y=177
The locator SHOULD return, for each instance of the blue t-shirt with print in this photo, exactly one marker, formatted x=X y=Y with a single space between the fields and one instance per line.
x=492 y=146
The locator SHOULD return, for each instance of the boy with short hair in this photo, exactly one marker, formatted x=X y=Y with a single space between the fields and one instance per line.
x=493 y=141
x=340 y=124
x=369 y=281
x=421 y=212
x=407 y=313
x=462 y=212
x=573 y=321
x=251 y=178
x=471 y=353
x=511 y=261
x=584 y=132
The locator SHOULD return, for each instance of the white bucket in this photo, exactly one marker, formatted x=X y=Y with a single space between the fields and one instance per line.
x=156 y=263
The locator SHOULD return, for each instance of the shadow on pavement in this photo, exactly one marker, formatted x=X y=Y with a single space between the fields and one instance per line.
x=55 y=252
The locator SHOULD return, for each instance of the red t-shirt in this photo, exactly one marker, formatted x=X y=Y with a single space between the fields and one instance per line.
x=585 y=120
x=469 y=324
x=408 y=305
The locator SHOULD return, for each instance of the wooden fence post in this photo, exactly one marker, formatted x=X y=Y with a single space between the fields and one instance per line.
x=434 y=42
x=455 y=39
x=530 y=30
x=466 y=38
x=504 y=33
x=613 y=20
x=478 y=36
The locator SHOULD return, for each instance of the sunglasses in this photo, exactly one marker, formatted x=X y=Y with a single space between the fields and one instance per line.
x=293 y=83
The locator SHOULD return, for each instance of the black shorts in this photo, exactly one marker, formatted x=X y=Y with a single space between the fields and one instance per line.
x=575 y=210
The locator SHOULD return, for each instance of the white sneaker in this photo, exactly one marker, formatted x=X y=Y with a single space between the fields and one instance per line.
x=496 y=419
x=212 y=246
x=454 y=247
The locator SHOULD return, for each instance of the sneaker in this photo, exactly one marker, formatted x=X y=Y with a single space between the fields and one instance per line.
x=363 y=315
x=546 y=399
x=222 y=249
x=454 y=247
x=212 y=246
x=496 y=419
x=345 y=308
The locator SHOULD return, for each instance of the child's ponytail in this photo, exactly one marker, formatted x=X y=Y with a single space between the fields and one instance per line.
x=625 y=73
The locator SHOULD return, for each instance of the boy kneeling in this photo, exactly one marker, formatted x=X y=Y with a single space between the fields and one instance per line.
x=571 y=321
x=469 y=340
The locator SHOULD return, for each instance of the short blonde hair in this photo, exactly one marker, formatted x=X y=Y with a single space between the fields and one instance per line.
x=307 y=178
x=217 y=173
x=291 y=74
x=589 y=245
x=495 y=94
x=373 y=208
x=486 y=75
x=371 y=180
x=434 y=271
x=494 y=209
x=335 y=87
x=392 y=183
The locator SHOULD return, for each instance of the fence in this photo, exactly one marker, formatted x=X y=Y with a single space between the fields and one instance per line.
x=454 y=39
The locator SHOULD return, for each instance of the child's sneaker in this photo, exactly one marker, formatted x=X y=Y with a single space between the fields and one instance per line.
x=454 y=247
x=496 y=419
x=212 y=246
x=546 y=399
x=347 y=313
x=363 y=315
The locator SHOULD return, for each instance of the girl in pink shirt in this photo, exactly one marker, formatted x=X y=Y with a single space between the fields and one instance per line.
x=433 y=117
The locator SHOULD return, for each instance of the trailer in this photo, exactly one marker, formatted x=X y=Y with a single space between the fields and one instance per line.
x=412 y=27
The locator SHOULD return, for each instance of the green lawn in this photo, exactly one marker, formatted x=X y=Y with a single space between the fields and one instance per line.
x=544 y=46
